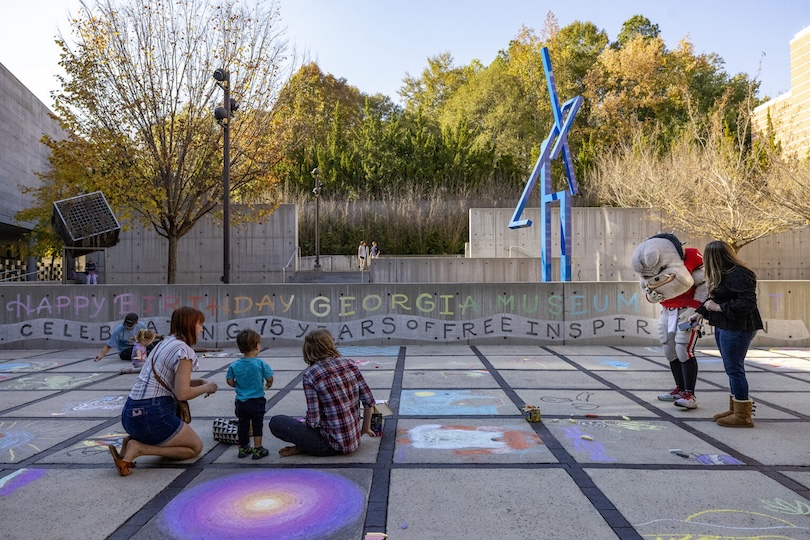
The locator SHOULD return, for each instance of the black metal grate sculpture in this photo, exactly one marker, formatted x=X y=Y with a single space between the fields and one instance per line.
x=86 y=221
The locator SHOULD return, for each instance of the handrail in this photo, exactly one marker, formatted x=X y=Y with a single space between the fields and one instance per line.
x=18 y=275
x=522 y=250
x=293 y=257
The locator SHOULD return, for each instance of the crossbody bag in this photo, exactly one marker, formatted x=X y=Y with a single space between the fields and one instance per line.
x=182 y=409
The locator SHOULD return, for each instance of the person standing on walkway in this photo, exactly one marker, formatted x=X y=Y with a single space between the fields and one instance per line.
x=334 y=388
x=90 y=269
x=732 y=310
x=362 y=253
x=375 y=250
x=149 y=416
x=250 y=376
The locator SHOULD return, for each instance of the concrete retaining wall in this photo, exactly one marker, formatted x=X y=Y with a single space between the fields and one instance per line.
x=259 y=251
x=604 y=238
x=588 y=313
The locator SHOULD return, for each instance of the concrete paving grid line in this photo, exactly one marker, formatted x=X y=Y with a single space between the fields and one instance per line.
x=456 y=460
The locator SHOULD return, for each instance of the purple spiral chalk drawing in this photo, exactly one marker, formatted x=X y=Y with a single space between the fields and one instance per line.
x=289 y=504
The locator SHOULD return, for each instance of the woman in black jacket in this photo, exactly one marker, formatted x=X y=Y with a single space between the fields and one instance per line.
x=732 y=310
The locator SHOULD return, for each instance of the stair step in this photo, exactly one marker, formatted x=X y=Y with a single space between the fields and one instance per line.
x=319 y=276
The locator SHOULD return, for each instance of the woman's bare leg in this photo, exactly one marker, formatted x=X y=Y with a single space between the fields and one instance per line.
x=184 y=445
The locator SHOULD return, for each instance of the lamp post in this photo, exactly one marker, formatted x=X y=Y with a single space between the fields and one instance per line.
x=223 y=115
x=317 y=191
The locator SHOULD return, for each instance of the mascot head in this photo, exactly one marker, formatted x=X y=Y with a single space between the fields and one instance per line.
x=659 y=262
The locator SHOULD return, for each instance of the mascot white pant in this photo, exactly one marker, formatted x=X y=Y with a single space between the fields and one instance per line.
x=677 y=344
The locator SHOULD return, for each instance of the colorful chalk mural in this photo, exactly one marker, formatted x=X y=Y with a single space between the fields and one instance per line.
x=21 y=367
x=290 y=504
x=580 y=402
x=466 y=440
x=104 y=403
x=14 y=436
x=448 y=312
x=97 y=445
x=724 y=524
x=584 y=443
x=455 y=402
x=53 y=381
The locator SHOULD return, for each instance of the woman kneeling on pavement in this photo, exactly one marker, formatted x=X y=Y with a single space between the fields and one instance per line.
x=149 y=415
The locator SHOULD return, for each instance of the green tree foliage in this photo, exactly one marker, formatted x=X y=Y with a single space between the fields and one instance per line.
x=644 y=88
x=635 y=26
x=478 y=128
x=137 y=98
x=492 y=101
x=439 y=80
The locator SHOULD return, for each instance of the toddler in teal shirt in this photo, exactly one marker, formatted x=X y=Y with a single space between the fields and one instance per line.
x=250 y=376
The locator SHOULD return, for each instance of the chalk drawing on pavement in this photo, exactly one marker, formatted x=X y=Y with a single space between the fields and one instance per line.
x=300 y=504
x=454 y=402
x=466 y=440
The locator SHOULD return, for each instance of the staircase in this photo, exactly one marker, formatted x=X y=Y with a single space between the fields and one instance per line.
x=319 y=276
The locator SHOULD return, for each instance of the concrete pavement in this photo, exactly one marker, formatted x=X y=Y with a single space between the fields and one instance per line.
x=456 y=461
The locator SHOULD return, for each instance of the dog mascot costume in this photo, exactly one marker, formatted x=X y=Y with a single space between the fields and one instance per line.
x=673 y=276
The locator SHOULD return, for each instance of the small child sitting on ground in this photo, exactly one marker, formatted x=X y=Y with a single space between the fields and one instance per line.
x=251 y=376
x=143 y=339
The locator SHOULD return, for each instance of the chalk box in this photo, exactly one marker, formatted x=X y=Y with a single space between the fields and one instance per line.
x=380 y=410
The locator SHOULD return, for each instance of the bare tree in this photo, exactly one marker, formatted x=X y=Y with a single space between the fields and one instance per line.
x=790 y=185
x=708 y=183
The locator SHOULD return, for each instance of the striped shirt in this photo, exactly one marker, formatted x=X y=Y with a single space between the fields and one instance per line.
x=167 y=357
x=334 y=389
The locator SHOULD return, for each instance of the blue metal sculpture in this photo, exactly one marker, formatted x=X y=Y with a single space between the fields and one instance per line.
x=556 y=142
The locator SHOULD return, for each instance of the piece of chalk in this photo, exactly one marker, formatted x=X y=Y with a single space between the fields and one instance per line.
x=626 y=418
x=675 y=450
x=404 y=525
x=586 y=437
x=572 y=420
x=682 y=454
x=591 y=416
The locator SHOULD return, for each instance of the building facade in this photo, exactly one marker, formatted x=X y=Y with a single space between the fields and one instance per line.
x=25 y=120
x=789 y=113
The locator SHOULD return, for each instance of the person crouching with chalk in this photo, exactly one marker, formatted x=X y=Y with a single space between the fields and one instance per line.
x=334 y=388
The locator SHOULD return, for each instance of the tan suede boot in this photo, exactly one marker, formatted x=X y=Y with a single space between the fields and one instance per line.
x=741 y=416
x=728 y=412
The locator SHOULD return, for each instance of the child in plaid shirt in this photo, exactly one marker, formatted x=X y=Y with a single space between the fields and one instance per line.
x=334 y=389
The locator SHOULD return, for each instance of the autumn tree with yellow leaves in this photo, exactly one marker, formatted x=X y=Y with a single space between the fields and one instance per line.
x=137 y=102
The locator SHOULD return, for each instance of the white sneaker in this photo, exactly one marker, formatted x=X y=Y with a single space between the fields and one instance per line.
x=671 y=396
x=687 y=401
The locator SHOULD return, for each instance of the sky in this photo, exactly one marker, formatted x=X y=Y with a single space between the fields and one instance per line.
x=374 y=44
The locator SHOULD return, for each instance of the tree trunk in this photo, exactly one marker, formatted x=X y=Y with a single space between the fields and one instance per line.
x=171 y=276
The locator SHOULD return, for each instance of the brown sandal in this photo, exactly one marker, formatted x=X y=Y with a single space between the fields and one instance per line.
x=124 y=467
